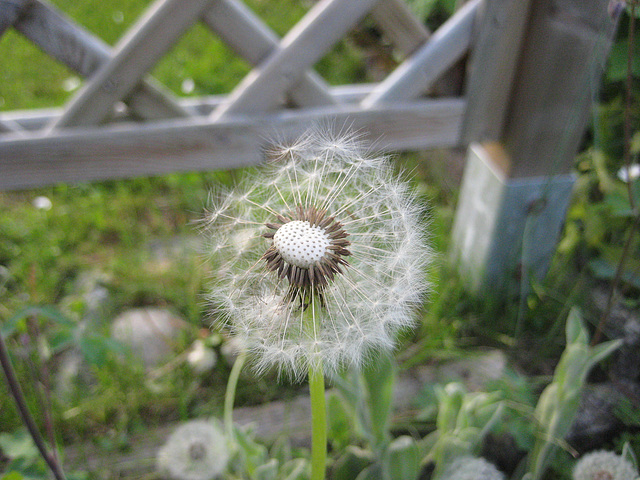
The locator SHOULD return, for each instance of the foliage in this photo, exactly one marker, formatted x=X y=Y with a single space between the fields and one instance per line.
x=559 y=402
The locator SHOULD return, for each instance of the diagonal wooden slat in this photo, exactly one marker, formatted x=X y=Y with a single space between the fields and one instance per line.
x=399 y=25
x=10 y=10
x=134 y=55
x=308 y=40
x=416 y=74
x=70 y=44
x=245 y=33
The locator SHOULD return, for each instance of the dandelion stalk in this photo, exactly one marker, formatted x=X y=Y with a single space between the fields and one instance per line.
x=230 y=393
x=318 y=423
x=318 y=407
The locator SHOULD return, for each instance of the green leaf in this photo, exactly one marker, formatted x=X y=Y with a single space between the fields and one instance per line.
x=372 y=472
x=12 y=476
x=297 y=469
x=267 y=471
x=617 y=70
x=575 y=330
x=603 y=350
x=353 y=461
x=18 y=445
x=379 y=378
x=339 y=421
x=401 y=460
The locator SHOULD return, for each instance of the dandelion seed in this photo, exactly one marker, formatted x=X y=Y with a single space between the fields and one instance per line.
x=471 y=468
x=603 y=465
x=327 y=227
x=196 y=450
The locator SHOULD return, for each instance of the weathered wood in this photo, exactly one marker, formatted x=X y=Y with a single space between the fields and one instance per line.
x=506 y=230
x=550 y=105
x=120 y=151
x=84 y=53
x=138 y=51
x=36 y=119
x=492 y=68
x=7 y=126
x=399 y=25
x=241 y=30
x=10 y=10
x=416 y=74
x=516 y=190
x=306 y=42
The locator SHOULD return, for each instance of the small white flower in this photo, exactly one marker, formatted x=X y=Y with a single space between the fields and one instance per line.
x=196 y=450
x=471 y=468
x=201 y=357
x=629 y=174
x=325 y=226
x=604 y=465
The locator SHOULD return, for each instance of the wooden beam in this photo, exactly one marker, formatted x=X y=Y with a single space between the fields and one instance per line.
x=492 y=68
x=399 y=25
x=121 y=151
x=306 y=42
x=36 y=119
x=516 y=190
x=417 y=73
x=62 y=39
x=566 y=47
x=245 y=33
x=10 y=11
x=152 y=36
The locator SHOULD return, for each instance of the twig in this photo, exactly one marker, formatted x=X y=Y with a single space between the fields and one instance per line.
x=627 y=160
x=25 y=414
x=616 y=280
x=629 y=100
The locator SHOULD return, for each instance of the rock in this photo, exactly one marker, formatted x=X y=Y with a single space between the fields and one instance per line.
x=149 y=332
x=623 y=323
x=595 y=421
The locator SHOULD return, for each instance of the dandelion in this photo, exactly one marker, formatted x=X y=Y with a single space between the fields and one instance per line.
x=325 y=228
x=196 y=450
x=321 y=257
x=472 y=468
x=604 y=465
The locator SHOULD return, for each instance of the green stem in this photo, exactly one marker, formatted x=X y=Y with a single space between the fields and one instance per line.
x=230 y=394
x=318 y=407
x=318 y=423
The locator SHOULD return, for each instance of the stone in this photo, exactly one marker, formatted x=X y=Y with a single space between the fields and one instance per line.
x=623 y=323
x=595 y=421
x=148 y=332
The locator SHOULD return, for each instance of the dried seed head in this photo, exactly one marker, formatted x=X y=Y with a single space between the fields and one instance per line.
x=325 y=224
x=301 y=244
x=307 y=249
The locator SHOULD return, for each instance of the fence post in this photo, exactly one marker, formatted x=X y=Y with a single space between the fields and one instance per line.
x=534 y=71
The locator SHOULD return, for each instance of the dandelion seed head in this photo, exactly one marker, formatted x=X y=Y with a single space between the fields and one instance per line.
x=196 y=450
x=604 y=465
x=472 y=468
x=328 y=228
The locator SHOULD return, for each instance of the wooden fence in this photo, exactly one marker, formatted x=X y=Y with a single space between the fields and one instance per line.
x=88 y=139
x=533 y=66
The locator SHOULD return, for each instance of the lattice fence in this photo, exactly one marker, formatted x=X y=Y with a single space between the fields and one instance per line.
x=94 y=135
